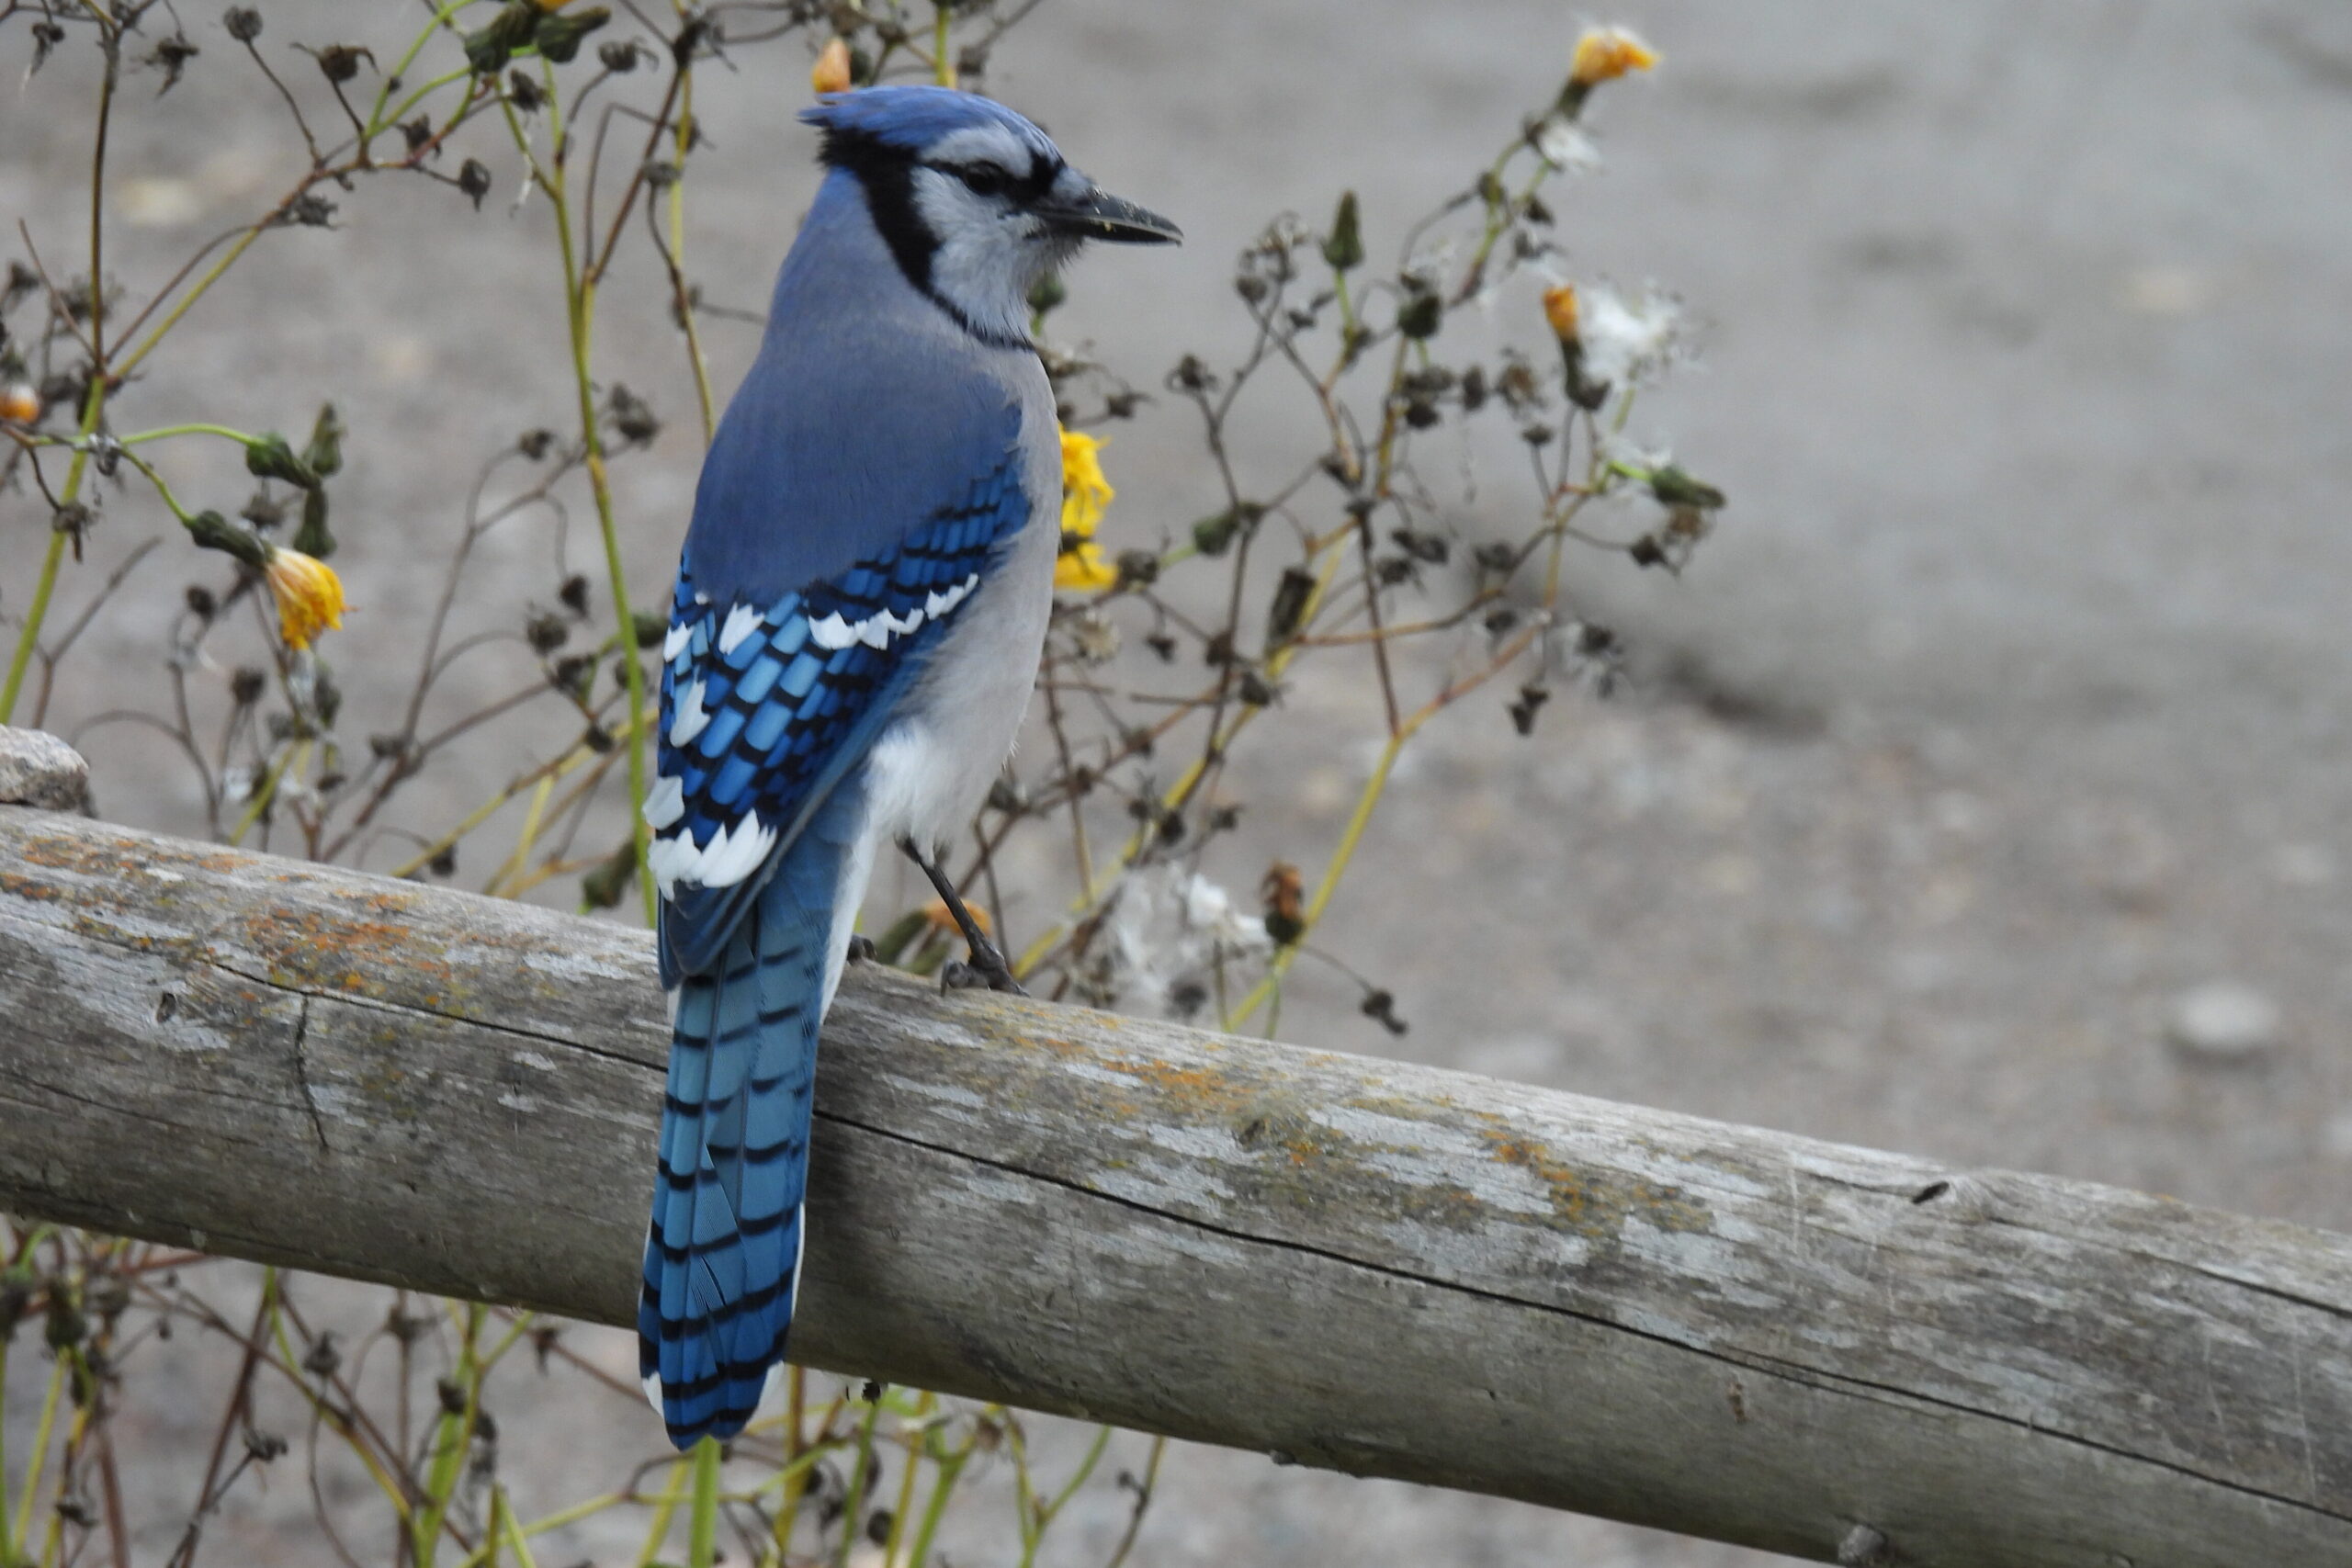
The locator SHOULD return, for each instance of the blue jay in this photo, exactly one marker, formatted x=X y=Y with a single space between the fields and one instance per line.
x=859 y=611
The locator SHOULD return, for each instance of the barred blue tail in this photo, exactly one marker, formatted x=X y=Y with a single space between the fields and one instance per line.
x=722 y=1255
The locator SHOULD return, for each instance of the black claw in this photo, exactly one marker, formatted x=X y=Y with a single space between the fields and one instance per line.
x=957 y=976
x=860 y=949
x=990 y=966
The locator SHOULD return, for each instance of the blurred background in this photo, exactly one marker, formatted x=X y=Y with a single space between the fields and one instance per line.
x=1981 y=791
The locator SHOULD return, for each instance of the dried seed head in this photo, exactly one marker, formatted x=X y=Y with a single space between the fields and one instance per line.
x=339 y=63
x=473 y=178
x=545 y=632
x=1343 y=247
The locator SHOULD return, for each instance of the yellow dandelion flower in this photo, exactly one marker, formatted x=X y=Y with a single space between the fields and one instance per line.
x=1086 y=494
x=309 y=595
x=830 y=73
x=1604 y=54
x=1560 y=309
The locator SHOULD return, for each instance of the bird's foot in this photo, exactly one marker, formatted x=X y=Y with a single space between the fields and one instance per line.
x=861 y=950
x=989 y=966
x=986 y=967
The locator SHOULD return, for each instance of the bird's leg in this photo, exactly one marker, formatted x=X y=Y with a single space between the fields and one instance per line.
x=986 y=962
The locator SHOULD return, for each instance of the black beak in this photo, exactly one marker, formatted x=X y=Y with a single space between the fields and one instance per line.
x=1098 y=215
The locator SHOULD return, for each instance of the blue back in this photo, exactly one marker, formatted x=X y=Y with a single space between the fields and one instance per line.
x=849 y=431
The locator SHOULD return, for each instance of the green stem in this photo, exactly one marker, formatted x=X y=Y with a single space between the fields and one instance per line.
x=426 y=92
x=28 y=639
x=702 y=1521
x=8 y=1552
x=36 y=1463
x=950 y=1467
x=377 y=119
x=579 y=298
x=664 y=1508
x=239 y=436
x=853 y=1508
x=452 y=1435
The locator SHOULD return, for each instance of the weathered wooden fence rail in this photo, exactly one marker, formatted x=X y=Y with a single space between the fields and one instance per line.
x=1382 y=1269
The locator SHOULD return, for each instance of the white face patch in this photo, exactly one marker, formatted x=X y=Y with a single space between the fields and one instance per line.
x=990 y=253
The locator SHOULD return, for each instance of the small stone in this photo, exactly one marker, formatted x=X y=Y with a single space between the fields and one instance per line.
x=1864 y=1547
x=2225 y=1021
x=40 y=770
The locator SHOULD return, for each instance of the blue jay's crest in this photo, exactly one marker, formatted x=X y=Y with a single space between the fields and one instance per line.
x=909 y=120
x=859 y=610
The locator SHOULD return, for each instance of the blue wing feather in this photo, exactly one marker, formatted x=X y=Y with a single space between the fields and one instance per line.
x=787 y=718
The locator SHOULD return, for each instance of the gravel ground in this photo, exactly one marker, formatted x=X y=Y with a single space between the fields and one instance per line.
x=1981 y=792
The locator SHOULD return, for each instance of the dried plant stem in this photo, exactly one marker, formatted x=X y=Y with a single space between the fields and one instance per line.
x=1144 y=1490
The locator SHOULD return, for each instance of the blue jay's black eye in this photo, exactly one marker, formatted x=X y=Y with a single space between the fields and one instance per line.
x=984 y=179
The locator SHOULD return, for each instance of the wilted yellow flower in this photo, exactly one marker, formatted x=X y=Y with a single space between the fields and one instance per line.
x=1604 y=54
x=1560 y=309
x=1085 y=495
x=309 y=595
x=830 y=73
x=19 y=404
x=939 y=917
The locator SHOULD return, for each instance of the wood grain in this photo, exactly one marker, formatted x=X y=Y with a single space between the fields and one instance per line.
x=1377 y=1267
